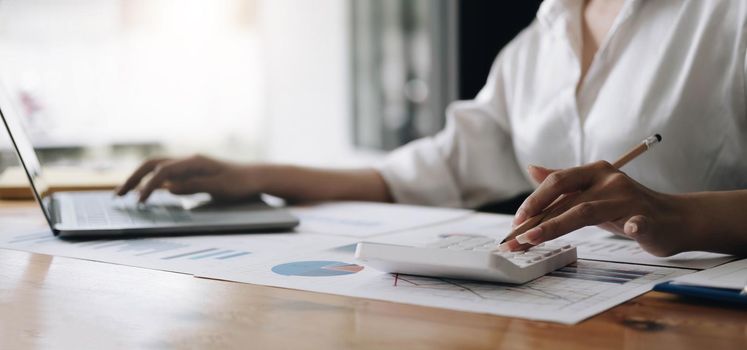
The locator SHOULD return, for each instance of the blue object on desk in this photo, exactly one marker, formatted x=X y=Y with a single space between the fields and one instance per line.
x=718 y=294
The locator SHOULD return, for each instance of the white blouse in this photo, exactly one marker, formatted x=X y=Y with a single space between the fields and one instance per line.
x=674 y=67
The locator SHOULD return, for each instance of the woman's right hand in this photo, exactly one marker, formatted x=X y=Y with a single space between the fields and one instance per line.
x=222 y=180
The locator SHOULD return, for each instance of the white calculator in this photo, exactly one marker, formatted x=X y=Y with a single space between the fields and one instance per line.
x=467 y=257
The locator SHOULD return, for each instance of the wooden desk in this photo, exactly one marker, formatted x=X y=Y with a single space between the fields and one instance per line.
x=53 y=302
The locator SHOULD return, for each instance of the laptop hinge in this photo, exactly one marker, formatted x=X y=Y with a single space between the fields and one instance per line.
x=54 y=210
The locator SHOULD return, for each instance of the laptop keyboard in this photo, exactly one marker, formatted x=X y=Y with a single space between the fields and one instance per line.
x=125 y=211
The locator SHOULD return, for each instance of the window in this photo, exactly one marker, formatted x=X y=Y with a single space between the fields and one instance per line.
x=113 y=81
x=404 y=54
x=180 y=73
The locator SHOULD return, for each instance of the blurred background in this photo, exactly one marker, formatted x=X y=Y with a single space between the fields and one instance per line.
x=103 y=84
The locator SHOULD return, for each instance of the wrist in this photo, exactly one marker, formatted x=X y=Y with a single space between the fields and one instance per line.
x=255 y=178
x=692 y=221
x=709 y=221
x=718 y=219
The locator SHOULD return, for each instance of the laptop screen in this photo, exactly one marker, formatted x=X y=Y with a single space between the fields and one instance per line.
x=26 y=154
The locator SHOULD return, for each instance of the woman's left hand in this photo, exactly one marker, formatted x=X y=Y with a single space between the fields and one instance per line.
x=599 y=194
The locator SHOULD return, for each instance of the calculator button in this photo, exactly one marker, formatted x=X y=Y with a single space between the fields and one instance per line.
x=546 y=252
x=528 y=255
x=521 y=262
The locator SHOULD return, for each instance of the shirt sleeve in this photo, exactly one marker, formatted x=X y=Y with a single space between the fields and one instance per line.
x=469 y=163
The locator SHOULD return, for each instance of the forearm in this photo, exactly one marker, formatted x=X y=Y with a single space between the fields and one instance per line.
x=718 y=221
x=296 y=183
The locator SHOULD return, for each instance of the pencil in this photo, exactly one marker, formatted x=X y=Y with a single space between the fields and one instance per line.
x=533 y=221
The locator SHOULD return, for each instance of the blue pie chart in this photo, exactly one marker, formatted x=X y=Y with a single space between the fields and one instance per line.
x=316 y=268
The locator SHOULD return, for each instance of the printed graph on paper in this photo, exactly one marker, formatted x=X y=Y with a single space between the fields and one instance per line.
x=579 y=288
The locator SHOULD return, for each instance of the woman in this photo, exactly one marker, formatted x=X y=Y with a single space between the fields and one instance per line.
x=584 y=82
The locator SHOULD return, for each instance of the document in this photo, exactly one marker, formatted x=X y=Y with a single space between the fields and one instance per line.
x=567 y=296
x=367 y=219
x=323 y=225
x=184 y=254
x=319 y=257
x=479 y=224
x=592 y=243
x=729 y=276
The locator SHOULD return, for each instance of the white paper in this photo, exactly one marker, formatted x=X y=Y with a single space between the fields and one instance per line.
x=593 y=243
x=489 y=225
x=185 y=254
x=366 y=219
x=730 y=276
x=324 y=263
x=567 y=296
x=26 y=230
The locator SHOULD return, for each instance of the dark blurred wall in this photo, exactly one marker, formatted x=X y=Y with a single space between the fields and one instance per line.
x=484 y=28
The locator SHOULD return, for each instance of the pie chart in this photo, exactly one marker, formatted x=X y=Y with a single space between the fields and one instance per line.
x=316 y=268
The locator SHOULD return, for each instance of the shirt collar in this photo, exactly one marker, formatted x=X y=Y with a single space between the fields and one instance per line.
x=551 y=11
x=554 y=14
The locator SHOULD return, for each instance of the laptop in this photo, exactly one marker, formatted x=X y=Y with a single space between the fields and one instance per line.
x=91 y=214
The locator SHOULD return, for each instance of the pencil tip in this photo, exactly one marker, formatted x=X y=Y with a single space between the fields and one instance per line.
x=658 y=137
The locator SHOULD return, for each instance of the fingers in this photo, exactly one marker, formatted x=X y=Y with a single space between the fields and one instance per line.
x=175 y=174
x=641 y=228
x=558 y=183
x=539 y=173
x=581 y=215
x=138 y=175
x=636 y=226
x=512 y=245
x=167 y=171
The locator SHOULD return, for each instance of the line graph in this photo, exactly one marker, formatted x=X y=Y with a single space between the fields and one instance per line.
x=535 y=293
x=155 y=248
x=568 y=287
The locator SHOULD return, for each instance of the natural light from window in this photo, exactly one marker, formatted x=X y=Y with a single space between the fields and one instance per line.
x=241 y=79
